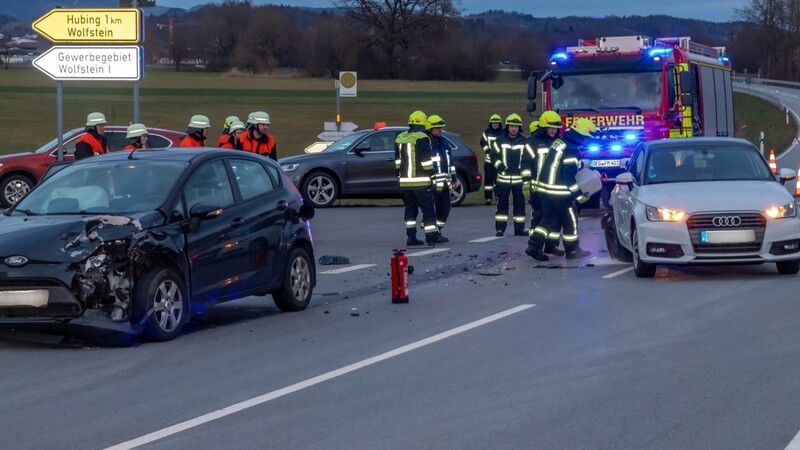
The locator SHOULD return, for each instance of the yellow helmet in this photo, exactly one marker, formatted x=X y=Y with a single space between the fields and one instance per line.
x=229 y=120
x=514 y=119
x=418 y=118
x=583 y=126
x=435 y=121
x=534 y=126
x=550 y=119
x=495 y=119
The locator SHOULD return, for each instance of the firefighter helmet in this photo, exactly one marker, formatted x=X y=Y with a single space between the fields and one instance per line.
x=199 y=121
x=514 y=119
x=235 y=125
x=229 y=120
x=534 y=126
x=136 y=130
x=95 y=118
x=495 y=119
x=418 y=118
x=583 y=126
x=435 y=121
x=550 y=119
x=258 y=117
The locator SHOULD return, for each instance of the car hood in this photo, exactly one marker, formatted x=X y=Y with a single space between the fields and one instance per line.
x=299 y=158
x=66 y=239
x=12 y=155
x=716 y=196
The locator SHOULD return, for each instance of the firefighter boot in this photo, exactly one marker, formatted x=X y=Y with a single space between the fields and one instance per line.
x=412 y=239
x=536 y=253
x=552 y=249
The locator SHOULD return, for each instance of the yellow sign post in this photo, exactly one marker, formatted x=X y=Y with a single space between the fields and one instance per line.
x=91 y=26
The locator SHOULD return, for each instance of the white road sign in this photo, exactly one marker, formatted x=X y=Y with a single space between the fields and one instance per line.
x=82 y=62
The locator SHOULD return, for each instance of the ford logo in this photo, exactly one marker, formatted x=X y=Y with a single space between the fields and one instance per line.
x=727 y=221
x=16 y=261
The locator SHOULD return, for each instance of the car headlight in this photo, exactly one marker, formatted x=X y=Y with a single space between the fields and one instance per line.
x=289 y=167
x=663 y=214
x=782 y=212
x=1 y=165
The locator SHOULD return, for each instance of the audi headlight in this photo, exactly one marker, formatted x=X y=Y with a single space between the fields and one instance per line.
x=782 y=212
x=289 y=167
x=663 y=214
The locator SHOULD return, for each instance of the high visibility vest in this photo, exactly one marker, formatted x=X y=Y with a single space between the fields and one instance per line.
x=512 y=157
x=556 y=173
x=256 y=145
x=443 y=170
x=487 y=139
x=190 y=141
x=413 y=159
x=95 y=143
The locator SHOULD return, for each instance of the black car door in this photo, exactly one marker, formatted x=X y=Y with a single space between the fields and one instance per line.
x=218 y=251
x=370 y=165
x=267 y=212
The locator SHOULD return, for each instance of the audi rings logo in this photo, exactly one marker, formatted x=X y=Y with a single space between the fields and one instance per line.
x=727 y=221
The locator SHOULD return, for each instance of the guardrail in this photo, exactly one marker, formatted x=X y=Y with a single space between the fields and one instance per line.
x=768 y=82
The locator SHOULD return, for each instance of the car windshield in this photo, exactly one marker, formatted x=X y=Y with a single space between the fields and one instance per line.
x=47 y=147
x=607 y=91
x=345 y=142
x=118 y=187
x=710 y=163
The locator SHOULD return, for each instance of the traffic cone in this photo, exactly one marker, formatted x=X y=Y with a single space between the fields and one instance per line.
x=773 y=166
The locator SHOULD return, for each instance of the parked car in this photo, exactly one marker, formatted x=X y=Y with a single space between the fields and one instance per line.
x=139 y=241
x=361 y=165
x=702 y=201
x=19 y=172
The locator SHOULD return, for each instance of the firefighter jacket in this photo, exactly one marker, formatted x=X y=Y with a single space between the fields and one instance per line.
x=90 y=144
x=556 y=173
x=413 y=158
x=262 y=145
x=513 y=159
x=444 y=172
x=487 y=139
x=192 y=140
x=540 y=142
x=223 y=140
x=231 y=143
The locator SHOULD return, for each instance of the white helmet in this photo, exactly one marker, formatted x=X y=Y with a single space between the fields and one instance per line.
x=236 y=125
x=136 y=130
x=258 y=117
x=95 y=118
x=199 y=121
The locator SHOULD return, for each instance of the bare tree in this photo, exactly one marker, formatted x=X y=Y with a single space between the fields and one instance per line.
x=396 y=27
x=5 y=49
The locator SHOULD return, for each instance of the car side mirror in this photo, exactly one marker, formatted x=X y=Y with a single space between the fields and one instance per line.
x=201 y=212
x=786 y=175
x=361 y=148
x=306 y=212
x=625 y=179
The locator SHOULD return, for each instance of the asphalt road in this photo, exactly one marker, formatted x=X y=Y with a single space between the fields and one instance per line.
x=493 y=351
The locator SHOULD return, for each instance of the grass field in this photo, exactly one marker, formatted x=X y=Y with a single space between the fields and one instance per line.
x=297 y=106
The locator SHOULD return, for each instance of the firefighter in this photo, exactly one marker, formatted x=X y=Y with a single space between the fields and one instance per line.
x=556 y=182
x=543 y=132
x=414 y=162
x=226 y=130
x=93 y=142
x=235 y=131
x=257 y=139
x=489 y=173
x=444 y=177
x=196 y=132
x=136 y=136
x=512 y=157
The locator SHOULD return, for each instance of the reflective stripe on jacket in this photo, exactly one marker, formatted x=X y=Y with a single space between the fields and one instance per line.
x=414 y=159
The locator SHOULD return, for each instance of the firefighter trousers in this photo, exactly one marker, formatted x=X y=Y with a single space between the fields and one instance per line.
x=537 y=213
x=489 y=178
x=416 y=200
x=503 y=190
x=442 y=204
x=559 y=221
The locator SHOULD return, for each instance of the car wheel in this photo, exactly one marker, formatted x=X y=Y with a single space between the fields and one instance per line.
x=457 y=195
x=163 y=292
x=641 y=269
x=298 y=282
x=615 y=249
x=788 y=267
x=14 y=188
x=320 y=189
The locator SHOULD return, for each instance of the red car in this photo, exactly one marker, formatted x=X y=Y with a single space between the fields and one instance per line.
x=19 y=172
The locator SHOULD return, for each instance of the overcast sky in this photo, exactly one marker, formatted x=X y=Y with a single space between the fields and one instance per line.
x=713 y=10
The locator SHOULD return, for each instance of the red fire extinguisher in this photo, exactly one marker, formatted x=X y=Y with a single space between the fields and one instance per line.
x=399 y=263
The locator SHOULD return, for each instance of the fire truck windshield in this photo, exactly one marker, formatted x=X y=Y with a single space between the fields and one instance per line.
x=604 y=91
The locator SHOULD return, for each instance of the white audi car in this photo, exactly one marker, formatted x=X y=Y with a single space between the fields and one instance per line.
x=702 y=201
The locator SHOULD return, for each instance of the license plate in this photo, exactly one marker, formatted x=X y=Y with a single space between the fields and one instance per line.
x=31 y=297
x=604 y=163
x=727 y=236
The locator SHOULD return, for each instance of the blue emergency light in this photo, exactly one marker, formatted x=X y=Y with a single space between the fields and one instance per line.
x=659 y=52
x=560 y=56
x=616 y=148
x=594 y=148
x=724 y=59
x=630 y=137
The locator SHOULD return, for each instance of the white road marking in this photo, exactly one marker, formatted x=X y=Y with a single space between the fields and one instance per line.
x=429 y=252
x=795 y=444
x=346 y=269
x=486 y=239
x=618 y=273
x=255 y=401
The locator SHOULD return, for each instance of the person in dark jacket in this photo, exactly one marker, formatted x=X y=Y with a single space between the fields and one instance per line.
x=547 y=130
x=444 y=172
x=235 y=130
x=513 y=159
x=93 y=142
x=489 y=172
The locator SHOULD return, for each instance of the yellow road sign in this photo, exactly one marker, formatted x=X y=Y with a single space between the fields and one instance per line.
x=91 y=26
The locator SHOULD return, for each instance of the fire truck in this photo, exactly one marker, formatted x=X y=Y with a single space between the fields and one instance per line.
x=635 y=88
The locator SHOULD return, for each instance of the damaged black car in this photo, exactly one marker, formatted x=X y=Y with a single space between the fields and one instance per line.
x=136 y=243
